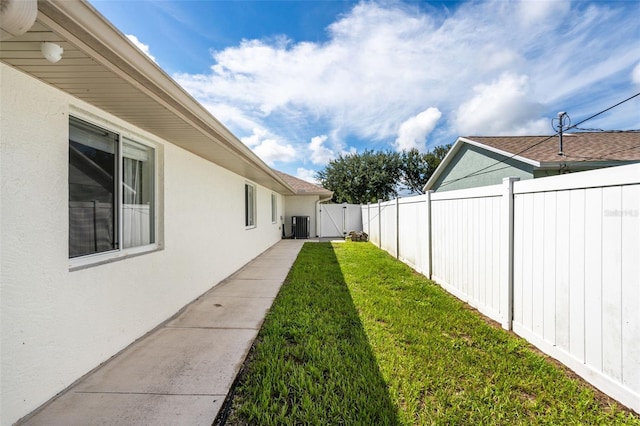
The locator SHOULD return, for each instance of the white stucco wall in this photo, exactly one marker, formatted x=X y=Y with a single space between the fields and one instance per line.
x=301 y=205
x=57 y=324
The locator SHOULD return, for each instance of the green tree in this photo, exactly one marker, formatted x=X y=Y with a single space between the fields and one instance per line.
x=418 y=167
x=362 y=178
x=372 y=176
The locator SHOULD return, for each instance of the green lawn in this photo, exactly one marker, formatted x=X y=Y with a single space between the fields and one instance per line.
x=356 y=337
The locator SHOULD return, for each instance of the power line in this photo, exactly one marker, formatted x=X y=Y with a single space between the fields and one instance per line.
x=604 y=110
x=475 y=173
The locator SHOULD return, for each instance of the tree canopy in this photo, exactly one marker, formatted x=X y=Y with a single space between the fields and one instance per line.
x=370 y=176
x=362 y=178
x=418 y=167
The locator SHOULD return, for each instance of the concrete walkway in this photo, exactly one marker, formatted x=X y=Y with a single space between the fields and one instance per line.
x=180 y=373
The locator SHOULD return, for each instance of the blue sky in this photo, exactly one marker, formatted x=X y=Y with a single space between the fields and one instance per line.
x=301 y=82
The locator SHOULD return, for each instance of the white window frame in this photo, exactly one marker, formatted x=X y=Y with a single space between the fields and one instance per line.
x=274 y=208
x=82 y=262
x=250 y=205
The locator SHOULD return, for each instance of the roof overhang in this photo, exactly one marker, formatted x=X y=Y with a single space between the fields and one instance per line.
x=302 y=187
x=103 y=68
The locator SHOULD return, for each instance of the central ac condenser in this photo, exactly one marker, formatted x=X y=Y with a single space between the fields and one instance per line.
x=300 y=226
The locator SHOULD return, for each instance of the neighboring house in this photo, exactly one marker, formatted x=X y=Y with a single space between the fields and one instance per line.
x=298 y=204
x=122 y=200
x=480 y=161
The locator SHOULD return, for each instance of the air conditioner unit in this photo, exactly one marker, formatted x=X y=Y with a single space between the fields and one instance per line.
x=300 y=226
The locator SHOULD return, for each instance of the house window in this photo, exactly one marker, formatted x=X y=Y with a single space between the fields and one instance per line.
x=111 y=191
x=137 y=194
x=274 y=208
x=249 y=205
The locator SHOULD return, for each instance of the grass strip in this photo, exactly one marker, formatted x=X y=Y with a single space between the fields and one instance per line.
x=312 y=363
x=357 y=337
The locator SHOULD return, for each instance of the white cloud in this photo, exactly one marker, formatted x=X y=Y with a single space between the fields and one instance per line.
x=635 y=74
x=499 y=108
x=535 y=12
x=269 y=149
x=413 y=132
x=306 y=175
x=320 y=154
x=490 y=66
x=364 y=82
x=256 y=137
x=232 y=116
x=140 y=45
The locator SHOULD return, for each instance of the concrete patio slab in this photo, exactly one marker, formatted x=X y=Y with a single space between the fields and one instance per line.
x=224 y=312
x=102 y=409
x=288 y=247
x=183 y=361
x=180 y=373
x=275 y=271
x=249 y=288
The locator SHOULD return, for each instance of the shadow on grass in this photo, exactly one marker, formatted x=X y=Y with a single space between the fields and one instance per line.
x=312 y=362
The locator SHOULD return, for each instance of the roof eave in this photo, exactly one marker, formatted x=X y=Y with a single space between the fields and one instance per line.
x=82 y=25
x=319 y=193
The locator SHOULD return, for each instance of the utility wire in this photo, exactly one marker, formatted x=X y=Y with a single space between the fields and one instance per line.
x=604 y=110
x=475 y=173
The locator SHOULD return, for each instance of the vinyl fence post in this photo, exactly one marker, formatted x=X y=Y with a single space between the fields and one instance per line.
x=379 y=225
x=397 y=228
x=429 y=242
x=345 y=217
x=507 y=248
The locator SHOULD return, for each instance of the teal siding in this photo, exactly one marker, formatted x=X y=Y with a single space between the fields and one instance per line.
x=470 y=159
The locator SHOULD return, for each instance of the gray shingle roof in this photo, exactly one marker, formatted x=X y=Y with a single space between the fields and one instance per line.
x=303 y=187
x=587 y=146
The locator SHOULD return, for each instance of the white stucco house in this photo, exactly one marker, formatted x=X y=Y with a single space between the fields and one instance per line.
x=122 y=199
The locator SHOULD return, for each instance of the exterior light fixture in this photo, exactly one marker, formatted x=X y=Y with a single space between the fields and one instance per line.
x=51 y=51
x=16 y=17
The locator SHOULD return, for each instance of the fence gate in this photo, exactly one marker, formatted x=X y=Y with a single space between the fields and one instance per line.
x=336 y=220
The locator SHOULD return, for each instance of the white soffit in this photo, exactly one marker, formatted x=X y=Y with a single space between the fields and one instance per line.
x=103 y=68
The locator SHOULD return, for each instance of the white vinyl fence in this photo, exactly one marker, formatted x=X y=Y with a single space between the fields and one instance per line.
x=557 y=260
x=336 y=220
